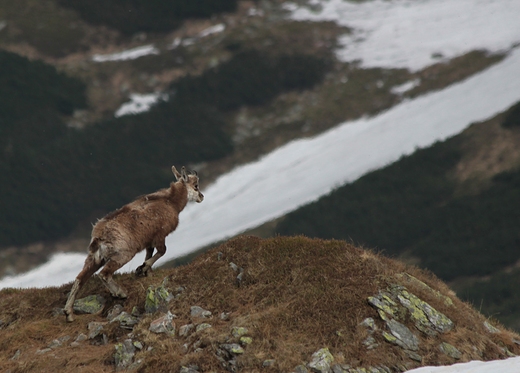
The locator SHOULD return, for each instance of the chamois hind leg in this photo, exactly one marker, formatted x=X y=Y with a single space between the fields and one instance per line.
x=148 y=263
x=89 y=268
x=139 y=270
x=106 y=277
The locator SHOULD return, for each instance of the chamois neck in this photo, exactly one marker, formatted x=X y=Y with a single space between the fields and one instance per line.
x=179 y=195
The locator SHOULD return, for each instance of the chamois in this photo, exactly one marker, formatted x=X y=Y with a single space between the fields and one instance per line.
x=139 y=225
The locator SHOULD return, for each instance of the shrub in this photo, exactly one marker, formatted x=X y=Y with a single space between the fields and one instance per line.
x=513 y=117
x=131 y=16
x=251 y=78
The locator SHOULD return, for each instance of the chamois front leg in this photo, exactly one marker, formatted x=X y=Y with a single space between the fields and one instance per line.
x=148 y=263
x=139 y=270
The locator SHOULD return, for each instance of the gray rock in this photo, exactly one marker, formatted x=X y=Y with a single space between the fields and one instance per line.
x=163 y=324
x=189 y=369
x=370 y=343
x=232 y=348
x=95 y=329
x=450 y=350
x=58 y=342
x=124 y=354
x=490 y=328
x=43 y=351
x=185 y=330
x=268 y=363
x=321 y=361
x=126 y=321
x=16 y=355
x=196 y=311
x=301 y=369
x=401 y=335
x=233 y=266
x=56 y=311
x=338 y=368
x=81 y=337
x=369 y=323
x=91 y=304
x=225 y=316
x=114 y=312
x=414 y=356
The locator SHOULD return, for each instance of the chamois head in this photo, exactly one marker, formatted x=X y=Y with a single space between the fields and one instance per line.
x=191 y=180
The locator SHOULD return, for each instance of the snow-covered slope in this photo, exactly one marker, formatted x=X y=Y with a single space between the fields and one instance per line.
x=511 y=365
x=416 y=33
x=303 y=170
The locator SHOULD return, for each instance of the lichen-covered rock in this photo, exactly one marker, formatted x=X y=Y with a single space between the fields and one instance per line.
x=450 y=350
x=369 y=323
x=91 y=304
x=163 y=324
x=233 y=348
x=385 y=306
x=124 y=354
x=405 y=277
x=238 y=331
x=427 y=319
x=321 y=361
x=401 y=336
x=157 y=299
x=268 y=363
x=202 y=327
x=244 y=341
x=398 y=302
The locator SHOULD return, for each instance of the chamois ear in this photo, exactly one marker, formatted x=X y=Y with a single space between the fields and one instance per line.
x=176 y=173
x=183 y=173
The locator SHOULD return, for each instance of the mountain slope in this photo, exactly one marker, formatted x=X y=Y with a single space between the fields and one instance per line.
x=289 y=297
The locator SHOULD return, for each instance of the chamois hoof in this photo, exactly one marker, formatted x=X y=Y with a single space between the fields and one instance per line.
x=70 y=317
x=120 y=295
x=141 y=271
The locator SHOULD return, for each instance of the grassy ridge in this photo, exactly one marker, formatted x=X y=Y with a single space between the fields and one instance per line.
x=417 y=208
x=295 y=296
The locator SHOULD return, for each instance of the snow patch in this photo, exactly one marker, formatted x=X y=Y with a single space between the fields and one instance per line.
x=140 y=103
x=130 y=54
x=405 y=87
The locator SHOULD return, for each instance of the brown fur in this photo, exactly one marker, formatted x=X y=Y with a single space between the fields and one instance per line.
x=139 y=225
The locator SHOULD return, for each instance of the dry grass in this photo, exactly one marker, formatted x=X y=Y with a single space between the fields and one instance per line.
x=297 y=295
